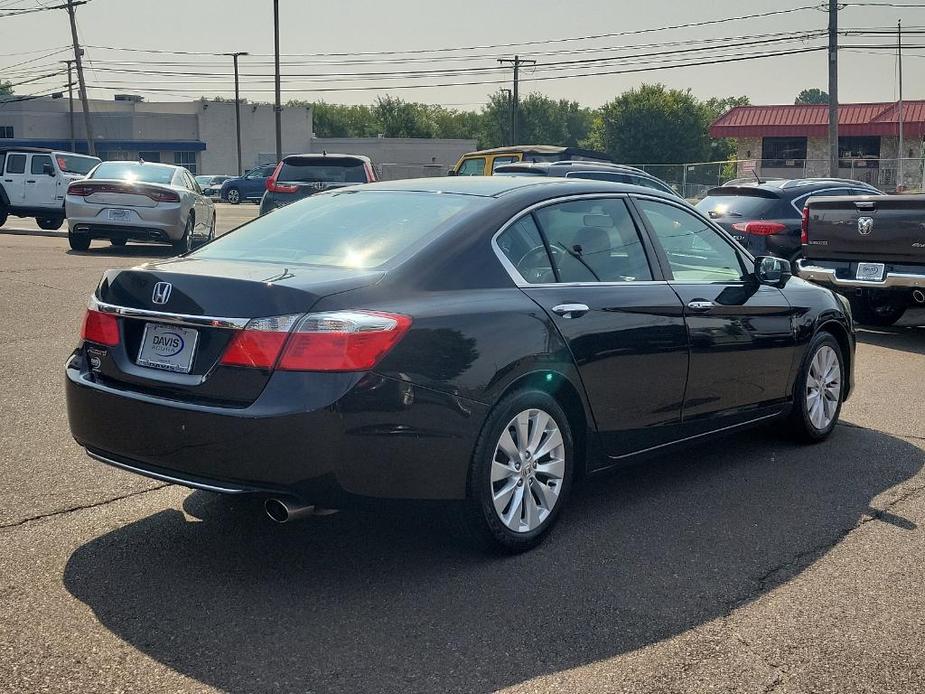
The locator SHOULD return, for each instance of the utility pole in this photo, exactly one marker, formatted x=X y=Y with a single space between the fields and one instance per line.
x=91 y=145
x=277 y=107
x=70 y=101
x=237 y=104
x=517 y=61
x=902 y=146
x=833 y=88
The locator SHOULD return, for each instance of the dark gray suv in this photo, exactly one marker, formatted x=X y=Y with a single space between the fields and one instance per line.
x=300 y=175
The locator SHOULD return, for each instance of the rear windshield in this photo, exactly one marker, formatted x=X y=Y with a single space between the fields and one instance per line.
x=131 y=171
x=751 y=206
x=322 y=170
x=74 y=163
x=345 y=229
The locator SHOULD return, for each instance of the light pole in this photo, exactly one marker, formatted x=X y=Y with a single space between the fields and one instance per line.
x=277 y=107
x=237 y=104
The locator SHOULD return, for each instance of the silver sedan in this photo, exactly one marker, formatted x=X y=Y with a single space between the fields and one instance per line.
x=138 y=201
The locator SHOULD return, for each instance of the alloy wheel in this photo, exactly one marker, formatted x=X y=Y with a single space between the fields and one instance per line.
x=233 y=196
x=527 y=470
x=823 y=387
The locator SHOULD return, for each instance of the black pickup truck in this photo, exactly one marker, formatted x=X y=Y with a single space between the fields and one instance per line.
x=871 y=249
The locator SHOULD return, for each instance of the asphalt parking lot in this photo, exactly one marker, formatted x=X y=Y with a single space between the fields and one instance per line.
x=748 y=565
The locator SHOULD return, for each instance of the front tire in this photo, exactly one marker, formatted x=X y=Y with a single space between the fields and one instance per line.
x=78 y=242
x=819 y=390
x=520 y=474
x=50 y=223
x=234 y=196
x=118 y=243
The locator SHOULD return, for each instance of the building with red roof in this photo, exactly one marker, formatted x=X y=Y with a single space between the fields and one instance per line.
x=792 y=140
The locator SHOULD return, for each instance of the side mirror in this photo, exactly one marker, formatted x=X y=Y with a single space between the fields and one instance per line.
x=771 y=270
x=48 y=169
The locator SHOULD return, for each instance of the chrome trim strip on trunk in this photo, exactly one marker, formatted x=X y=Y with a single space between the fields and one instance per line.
x=163 y=317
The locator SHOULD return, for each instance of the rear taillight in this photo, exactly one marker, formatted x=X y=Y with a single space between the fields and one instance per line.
x=80 y=190
x=102 y=328
x=342 y=340
x=159 y=195
x=333 y=341
x=259 y=344
x=756 y=228
x=804 y=227
x=370 y=174
x=274 y=187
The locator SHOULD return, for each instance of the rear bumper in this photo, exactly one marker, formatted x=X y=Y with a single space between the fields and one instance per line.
x=838 y=274
x=323 y=441
x=163 y=222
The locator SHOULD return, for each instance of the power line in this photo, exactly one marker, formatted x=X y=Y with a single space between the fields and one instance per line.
x=44 y=8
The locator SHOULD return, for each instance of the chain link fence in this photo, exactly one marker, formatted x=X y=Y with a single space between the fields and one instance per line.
x=693 y=180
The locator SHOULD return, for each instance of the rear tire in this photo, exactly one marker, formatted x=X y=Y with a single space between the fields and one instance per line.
x=78 y=242
x=878 y=311
x=50 y=223
x=819 y=390
x=119 y=243
x=4 y=213
x=185 y=243
x=520 y=474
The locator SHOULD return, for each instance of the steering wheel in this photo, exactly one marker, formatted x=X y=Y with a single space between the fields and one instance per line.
x=534 y=264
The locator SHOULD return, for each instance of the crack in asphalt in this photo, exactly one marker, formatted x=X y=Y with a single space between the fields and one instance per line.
x=82 y=507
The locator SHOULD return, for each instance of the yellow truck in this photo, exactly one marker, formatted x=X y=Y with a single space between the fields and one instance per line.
x=485 y=161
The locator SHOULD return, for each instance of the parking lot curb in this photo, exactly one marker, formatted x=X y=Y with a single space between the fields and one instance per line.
x=35 y=232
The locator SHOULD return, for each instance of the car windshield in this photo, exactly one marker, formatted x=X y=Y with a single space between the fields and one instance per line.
x=131 y=171
x=322 y=170
x=74 y=163
x=736 y=206
x=345 y=229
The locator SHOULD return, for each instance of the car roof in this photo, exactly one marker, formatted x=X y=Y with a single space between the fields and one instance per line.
x=570 y=165
x=540 y=149
x=26 y=150
x=497 y=186
x=784 y=187
x=332 y=155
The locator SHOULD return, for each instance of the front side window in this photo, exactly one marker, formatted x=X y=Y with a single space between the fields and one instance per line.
x=696 y=252
x=594 y=240
x=472 y=167
x=38 y=163
x=16 y=163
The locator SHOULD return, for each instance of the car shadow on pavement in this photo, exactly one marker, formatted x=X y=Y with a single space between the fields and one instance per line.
x=127 y=251
x=908 y=335
x=386 y=602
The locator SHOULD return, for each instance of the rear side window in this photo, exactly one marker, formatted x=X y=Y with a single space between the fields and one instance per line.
x=522 y=244
x=74 y=163
x=38 y=163
x=322 y=170
x=16 y=163
x=502 y=161
x=737 y=206
x=594 y=241
x=355 y=229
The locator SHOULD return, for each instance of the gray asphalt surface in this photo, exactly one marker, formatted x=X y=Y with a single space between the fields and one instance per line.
x=749 y=564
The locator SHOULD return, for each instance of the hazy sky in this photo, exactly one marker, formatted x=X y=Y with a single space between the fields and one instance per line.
x=351 y=26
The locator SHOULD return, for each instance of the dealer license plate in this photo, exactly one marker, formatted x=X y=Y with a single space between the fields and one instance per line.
x=870 y=272
x=120 y=215
x=168 y=347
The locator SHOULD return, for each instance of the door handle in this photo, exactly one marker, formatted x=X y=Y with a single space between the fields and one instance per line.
x=570 y=310
x=699 y=305
x=31 y=181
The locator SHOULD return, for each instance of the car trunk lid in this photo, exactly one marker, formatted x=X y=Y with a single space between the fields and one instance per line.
x=205 y=303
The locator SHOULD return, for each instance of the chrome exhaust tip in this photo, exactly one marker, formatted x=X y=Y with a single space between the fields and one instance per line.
x=285 y=510
x=918 y=296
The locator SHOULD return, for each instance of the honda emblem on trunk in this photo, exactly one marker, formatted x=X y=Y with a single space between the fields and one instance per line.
x=161 y=292
x=865 y=225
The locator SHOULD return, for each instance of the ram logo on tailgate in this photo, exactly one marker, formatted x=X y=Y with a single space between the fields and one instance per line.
x=865 y=225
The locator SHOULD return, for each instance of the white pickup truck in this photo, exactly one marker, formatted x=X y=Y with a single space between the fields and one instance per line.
x=33 y=183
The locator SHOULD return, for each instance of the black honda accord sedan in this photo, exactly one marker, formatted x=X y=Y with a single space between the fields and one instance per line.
x=481 y=340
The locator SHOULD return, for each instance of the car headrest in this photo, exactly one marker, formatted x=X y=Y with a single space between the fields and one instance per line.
x=591 y=240
x=601 y=221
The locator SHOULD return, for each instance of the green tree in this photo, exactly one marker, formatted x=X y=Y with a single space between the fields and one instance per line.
x=399 y=118
x=812 y=96
x=653 y=124
x=721 y=149
x=541 y=121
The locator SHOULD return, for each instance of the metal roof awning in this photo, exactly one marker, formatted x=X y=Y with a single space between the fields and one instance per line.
x=812 y=120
